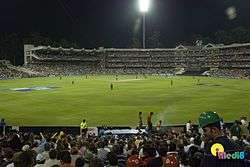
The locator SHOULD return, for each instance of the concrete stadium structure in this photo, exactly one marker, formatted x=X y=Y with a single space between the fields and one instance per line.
x=194 y=60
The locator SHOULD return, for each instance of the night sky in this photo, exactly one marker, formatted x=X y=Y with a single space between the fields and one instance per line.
x=114 y=23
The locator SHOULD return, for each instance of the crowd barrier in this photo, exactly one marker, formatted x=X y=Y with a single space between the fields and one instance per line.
x=75 y=130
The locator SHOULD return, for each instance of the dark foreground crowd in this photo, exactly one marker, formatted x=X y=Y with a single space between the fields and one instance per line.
x=185 y=148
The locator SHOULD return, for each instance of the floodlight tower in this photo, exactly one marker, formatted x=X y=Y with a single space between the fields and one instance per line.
x=144 y=6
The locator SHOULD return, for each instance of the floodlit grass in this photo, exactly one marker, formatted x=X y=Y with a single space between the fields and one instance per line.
x=92 y=99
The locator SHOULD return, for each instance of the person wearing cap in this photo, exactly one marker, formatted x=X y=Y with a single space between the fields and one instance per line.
x=210 y=122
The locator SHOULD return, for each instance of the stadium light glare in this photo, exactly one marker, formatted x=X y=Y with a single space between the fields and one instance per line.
x=144 y=5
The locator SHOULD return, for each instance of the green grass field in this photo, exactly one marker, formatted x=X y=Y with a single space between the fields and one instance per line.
x=92 y=99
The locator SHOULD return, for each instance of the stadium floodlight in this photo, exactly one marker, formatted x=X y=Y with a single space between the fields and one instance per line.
x=144 y=6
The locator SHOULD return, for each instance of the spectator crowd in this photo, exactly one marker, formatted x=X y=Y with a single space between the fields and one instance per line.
x=7 y=73
x=189 y=147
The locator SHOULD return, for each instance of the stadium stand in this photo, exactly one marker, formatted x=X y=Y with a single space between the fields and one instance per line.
x=8 y=71
x=216 y=60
